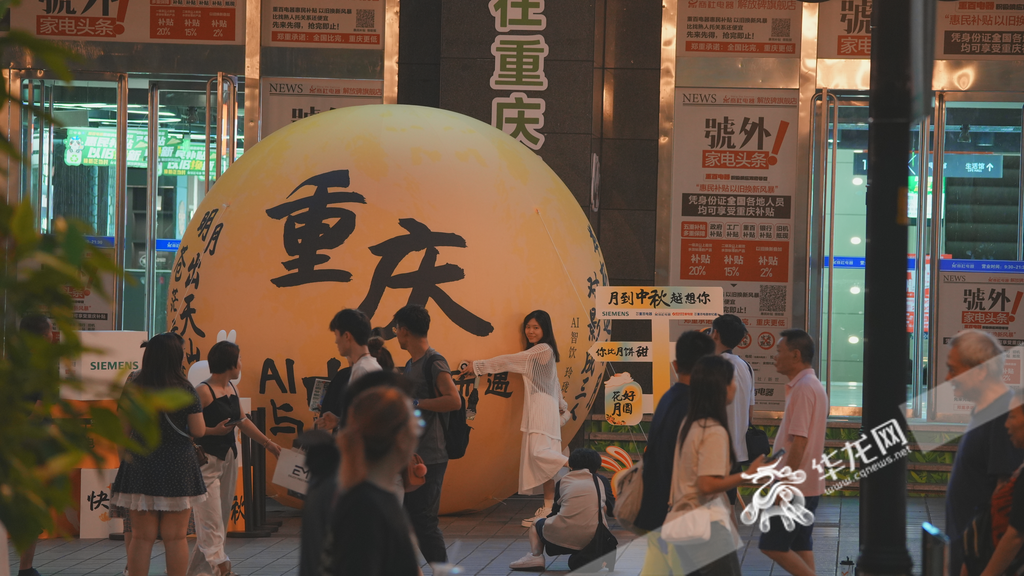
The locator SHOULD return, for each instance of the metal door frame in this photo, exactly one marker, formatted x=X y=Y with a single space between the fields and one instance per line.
x=15 y=188
x=819 y=305
x=226 y=134
x=942 y=98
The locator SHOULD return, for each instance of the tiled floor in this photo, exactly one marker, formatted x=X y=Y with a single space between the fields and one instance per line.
x=485 y=542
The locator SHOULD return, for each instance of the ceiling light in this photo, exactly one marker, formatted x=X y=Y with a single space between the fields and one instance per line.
x=855 y=240
x=853 y=340
x=858 y=181
x=855 y=290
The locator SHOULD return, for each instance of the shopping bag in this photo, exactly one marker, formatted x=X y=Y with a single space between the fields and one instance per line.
x=291 y=471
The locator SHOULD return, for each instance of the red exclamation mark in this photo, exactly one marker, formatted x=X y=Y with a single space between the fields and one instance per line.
x=779 y=137
x=122 y=12
x=1016 y=305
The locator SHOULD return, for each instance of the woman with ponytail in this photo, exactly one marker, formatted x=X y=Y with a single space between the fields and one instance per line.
x=700 y=475
x=370 y=534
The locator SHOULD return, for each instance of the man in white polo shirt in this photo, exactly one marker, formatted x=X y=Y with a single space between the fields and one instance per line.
x=802 y=435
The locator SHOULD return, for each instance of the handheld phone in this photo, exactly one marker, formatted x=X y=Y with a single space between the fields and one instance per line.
x=776 y=456
x=235 y=422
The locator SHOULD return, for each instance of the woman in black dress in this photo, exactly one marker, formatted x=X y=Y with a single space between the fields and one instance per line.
x=369 y=533
x=160 y=488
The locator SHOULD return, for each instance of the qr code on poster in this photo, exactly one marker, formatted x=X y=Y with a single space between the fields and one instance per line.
x=781 y=28
x=773 y=298
x=366 y=18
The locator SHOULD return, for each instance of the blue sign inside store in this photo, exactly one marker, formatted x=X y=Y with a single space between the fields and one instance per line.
x=1003 y=266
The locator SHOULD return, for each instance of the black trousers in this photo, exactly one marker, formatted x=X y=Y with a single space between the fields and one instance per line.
x=422 y=505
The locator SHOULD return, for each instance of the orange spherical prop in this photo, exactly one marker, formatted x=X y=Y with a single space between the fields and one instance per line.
x=376 y=207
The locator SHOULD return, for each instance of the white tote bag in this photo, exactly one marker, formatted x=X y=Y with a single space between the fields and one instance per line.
x=688 y=526
x=691 y=526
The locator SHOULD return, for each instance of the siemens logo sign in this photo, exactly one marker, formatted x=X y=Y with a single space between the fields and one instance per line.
x=113 y=365
x=696 y=98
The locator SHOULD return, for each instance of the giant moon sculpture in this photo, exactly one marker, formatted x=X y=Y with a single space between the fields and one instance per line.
x=376 y=207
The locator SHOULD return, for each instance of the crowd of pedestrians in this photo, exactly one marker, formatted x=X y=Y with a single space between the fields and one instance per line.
x=697 y=452
x=335 y=540
x=379 y=453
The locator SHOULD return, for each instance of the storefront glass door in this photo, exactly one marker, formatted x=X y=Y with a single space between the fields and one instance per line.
x=980 y=208
x=841 y=153
x=198 y=136
x=71 y=169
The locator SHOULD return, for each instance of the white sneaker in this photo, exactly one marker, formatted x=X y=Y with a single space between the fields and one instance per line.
x=529 y=562
x=541 y=512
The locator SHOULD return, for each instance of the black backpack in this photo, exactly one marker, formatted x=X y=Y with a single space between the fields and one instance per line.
x=456 y=430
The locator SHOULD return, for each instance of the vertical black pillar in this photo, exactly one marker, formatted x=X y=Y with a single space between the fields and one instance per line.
x=468 y=33
x=419 y=53
x=883 y=497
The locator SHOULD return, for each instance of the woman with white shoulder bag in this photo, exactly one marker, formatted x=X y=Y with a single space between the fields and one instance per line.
x=700 y=523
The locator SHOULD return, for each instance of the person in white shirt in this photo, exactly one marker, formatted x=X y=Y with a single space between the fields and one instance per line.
x=544 y=409
x=728 y=331
x=351 y=330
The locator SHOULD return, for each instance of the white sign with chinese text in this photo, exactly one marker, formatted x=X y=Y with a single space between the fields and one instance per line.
x=991 y=301
x=357 y=24
x=94 y=519
x=166 y=21
x=734 y=172
x=979 y=30
x=93 y=310
x=621 y=351
x=844 y=29
x=519 y=50
x=111 y=355
x=739 y=28
x=288 y=100
x=664 y=302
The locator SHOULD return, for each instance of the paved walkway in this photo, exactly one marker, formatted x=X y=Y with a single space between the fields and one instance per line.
x=485 y=542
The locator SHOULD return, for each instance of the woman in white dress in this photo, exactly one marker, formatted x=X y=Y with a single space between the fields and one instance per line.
x=544 y=409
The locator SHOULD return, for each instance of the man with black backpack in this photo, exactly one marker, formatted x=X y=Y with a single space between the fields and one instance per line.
x=435 y=396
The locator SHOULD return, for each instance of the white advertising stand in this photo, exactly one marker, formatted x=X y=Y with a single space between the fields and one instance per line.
x=111 y=357
x=114 y=354
x=660 y=305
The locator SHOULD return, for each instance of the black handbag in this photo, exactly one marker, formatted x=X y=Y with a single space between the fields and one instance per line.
x=757 y=443
x=604 y=543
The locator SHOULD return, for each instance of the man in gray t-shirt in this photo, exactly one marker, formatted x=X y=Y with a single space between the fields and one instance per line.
x=432 y=446
x=434 y=399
